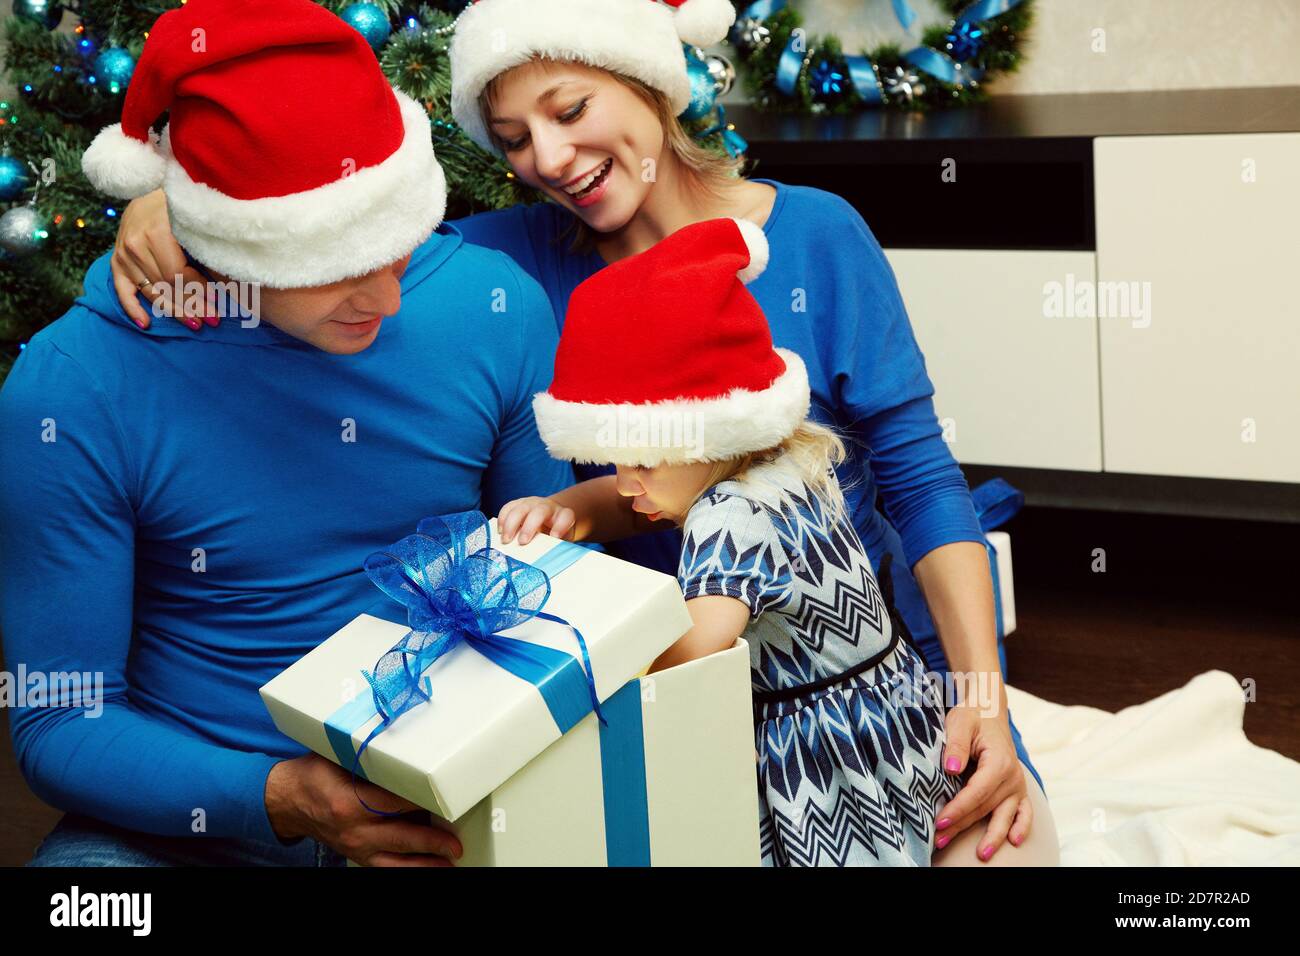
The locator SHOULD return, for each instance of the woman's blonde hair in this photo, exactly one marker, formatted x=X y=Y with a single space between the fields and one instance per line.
x=706 y=170
x=815 y=449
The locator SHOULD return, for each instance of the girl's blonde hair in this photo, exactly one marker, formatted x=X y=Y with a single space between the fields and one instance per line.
x=815 y=449
x=706 y=170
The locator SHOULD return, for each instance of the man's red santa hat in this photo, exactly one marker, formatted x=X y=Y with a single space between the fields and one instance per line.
x=670 y=344
x=638 y=38
x=288 y=159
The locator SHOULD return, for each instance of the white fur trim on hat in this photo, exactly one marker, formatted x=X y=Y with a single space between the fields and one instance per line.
x=634 y=37
x=679 y=430
x=121 y=165
x=705 y=22
x=346 y=228
x=756 y=241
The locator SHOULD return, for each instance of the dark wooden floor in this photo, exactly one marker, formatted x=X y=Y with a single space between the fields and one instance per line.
x=1179 y=596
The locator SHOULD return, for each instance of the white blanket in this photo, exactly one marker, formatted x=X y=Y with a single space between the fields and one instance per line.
x=1171 y=782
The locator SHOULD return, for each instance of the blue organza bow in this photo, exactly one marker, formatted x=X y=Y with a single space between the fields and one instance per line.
x=457 y=588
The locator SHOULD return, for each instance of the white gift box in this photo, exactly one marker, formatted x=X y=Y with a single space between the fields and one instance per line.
x=670 y=781
x=1003 y=579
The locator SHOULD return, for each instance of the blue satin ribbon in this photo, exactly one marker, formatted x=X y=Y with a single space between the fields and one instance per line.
x=985 y=10
x=996 y=502
x=457 y=589
x=788 y=67
x=761 y=10
x=622 y=771
x=864 y=79
x=941 y=66
x=906 y=15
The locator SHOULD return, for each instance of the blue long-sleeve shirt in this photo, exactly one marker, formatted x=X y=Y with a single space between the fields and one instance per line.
x=830 y=295
x=188 y=514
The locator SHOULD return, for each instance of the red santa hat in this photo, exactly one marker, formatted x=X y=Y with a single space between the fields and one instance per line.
x=288 y=159
x=667 y=358
x=638 y=38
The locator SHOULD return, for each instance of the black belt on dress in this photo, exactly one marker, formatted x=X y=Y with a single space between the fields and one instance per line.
x=898 y=629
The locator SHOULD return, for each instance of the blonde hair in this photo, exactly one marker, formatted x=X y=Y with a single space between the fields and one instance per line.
x=814 y=449
x=706 y=170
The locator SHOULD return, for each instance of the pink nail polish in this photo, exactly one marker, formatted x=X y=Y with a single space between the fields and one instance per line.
x=943 y=823
x=942 y=842
x=139 y=324
x=192 y=324
x=953 y=764
x=1015 y=840
x=212 y=320
x=986 y=853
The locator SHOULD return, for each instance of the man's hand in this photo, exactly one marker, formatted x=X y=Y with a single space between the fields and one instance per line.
x=310 y=796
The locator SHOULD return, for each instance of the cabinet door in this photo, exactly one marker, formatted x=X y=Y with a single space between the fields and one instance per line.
x=1014 y=381
x=1207 y=384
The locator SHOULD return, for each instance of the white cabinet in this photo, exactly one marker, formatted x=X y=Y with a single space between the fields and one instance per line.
x=1018 y=384
x=1210 y=387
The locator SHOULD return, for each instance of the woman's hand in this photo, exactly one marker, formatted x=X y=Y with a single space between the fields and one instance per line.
x=147 y=252
x=527 y=516
x=997 y=787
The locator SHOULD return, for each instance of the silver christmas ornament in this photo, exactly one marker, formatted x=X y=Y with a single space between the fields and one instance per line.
x=902 y=84
x=22 y=230
x=750 y=35
x=723 y=73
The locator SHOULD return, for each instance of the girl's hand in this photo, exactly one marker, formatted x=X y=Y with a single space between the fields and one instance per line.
x=527 y=516
x=997 y=787
x=146 y=251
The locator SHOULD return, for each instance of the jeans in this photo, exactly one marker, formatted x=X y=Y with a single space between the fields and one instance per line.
x=78 y=840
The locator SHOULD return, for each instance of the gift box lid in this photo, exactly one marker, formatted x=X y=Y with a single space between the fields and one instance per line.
x=482 y=723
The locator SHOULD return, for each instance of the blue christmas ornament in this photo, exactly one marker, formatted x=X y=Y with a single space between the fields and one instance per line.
x=826 y=80
x=45 y=12
x=13 y=178
x=704 y=89
x=964 y=41
x=113 y=68
x=370 y=21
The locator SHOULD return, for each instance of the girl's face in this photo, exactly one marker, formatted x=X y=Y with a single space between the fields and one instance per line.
x=580 y=136
x=665 y=491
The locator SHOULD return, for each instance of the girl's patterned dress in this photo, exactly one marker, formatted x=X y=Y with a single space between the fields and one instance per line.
x=848 y=732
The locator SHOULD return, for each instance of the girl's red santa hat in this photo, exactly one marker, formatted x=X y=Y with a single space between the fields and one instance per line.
x=288 y=159
x=666 y=358
x=638 y=38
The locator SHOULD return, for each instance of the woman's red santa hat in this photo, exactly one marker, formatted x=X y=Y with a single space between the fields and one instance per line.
x=638 y=38
x=667 y=358
x=288 y=159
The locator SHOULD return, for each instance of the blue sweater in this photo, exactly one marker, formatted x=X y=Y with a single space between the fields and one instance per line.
x=830 y=295
x=199 y=520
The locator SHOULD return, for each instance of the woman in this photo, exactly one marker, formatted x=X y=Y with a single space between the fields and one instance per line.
x=582 y=98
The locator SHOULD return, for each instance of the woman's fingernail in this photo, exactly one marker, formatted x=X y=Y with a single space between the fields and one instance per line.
x=942 y=842
x=986 y=853
x=943 y=823
x=192 y=324
x=212 y=320
x=953 y=764
x=1015 y=840
x=139 y=324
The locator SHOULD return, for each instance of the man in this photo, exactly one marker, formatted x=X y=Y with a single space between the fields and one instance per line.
x=188 y=515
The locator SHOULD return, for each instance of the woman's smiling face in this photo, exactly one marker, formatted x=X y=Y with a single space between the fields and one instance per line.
x=579 y=135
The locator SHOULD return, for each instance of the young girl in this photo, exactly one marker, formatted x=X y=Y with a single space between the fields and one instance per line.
x=706 y=424
x=581 y=98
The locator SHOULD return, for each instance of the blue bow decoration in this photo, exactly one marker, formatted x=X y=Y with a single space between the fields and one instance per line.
x=457 y=589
